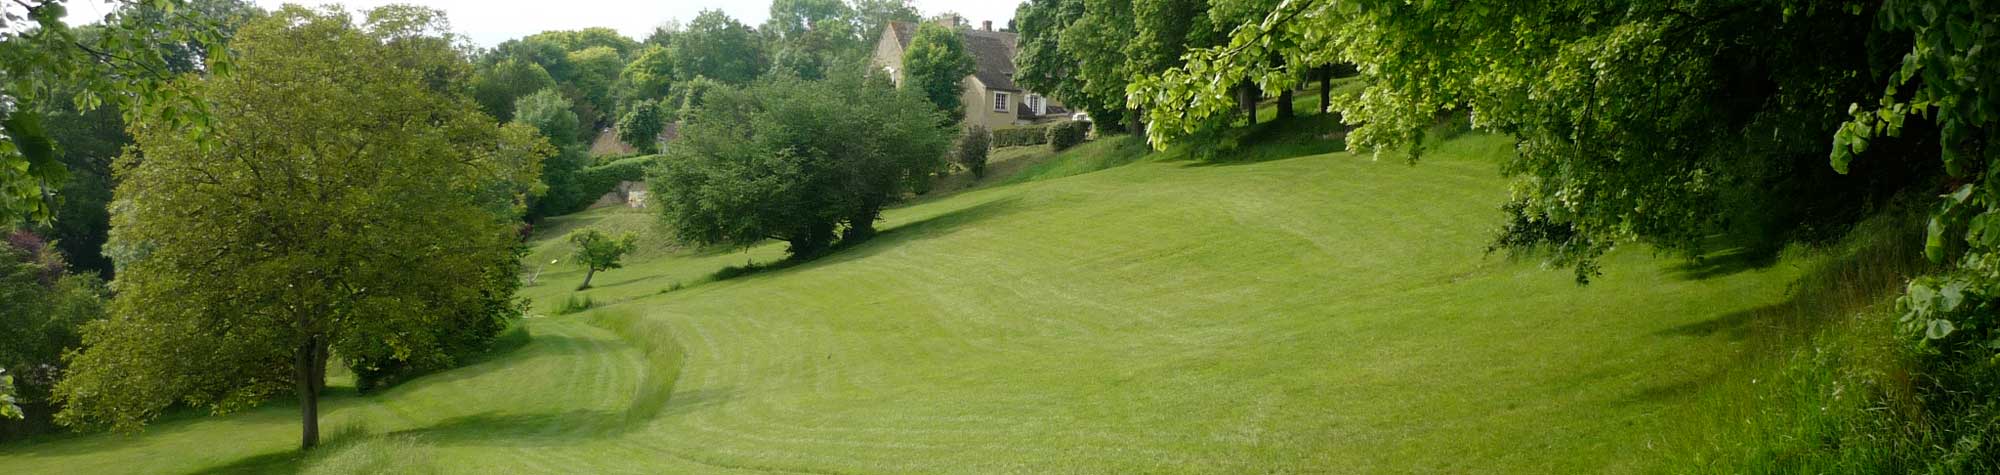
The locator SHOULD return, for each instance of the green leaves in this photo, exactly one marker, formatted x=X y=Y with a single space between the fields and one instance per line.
x=784 y=160
x=344 y=204
x=129 y=60
x=8 y=409
x=597 y=251
x=935 y=65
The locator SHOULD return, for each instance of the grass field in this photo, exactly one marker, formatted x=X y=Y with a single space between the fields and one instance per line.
x=1329 y=313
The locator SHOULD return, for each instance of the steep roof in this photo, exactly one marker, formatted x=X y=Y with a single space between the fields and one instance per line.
x=992 y=53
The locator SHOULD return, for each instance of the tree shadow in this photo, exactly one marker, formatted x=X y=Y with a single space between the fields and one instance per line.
x=1729 y=261
x=938 y=225
x=1300 y=136
x=1734 y=325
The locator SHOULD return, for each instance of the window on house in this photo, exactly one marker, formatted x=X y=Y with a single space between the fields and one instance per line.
x=1000 y=101
x=1035 y=103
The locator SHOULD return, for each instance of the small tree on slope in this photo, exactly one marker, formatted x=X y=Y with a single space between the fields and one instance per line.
x=599 y=252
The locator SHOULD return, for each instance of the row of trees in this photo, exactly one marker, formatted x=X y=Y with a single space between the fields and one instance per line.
x=606 y=76
x=1090 y=52
x=642 y=86
x=368 y=215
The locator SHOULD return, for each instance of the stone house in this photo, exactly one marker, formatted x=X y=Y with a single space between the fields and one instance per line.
x=991 y=98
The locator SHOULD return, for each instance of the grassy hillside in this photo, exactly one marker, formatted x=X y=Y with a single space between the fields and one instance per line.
x=1320 y=313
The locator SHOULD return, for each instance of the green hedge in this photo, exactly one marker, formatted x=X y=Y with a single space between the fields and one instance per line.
x=591 y=183
x=595 y=181
x=1019 y=136
x=1064 y=135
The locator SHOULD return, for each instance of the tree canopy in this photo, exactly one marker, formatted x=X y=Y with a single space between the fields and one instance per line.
x=1667 y=125
x=340 y=207
x=718 y=47
x=649 y=77
x=590 y=87
x=497 y=86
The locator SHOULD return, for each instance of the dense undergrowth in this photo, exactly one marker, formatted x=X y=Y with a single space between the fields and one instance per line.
x=1830 y=385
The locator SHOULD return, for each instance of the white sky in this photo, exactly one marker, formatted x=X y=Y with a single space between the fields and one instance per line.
x=489 y=22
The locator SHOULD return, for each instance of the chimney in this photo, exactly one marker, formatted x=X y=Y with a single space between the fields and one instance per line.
x=986 y=25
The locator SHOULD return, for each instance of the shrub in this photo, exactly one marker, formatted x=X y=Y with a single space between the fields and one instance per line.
x=1067 y=134
x=1019 y=136
x=971 y=150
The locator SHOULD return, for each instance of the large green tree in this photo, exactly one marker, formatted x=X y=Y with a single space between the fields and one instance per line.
x=935 y=65
x=796 y=160
x=340 y=206
x=718 y=47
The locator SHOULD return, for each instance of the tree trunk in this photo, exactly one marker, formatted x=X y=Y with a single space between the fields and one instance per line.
x=1325 y=89
x=320 y=357
x=1247 y=97
x=811 y=241
x=861 y=226
x=586 y=278
x=308 y=395
x=1284 y=104
x=1137 y=124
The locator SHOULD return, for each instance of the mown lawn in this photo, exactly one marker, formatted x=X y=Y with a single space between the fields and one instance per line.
x=1329 y=313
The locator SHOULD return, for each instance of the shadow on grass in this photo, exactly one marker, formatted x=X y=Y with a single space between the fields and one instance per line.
x=926 y=228
x=1725 y=263
x=1302 y=135
x=1735 y=325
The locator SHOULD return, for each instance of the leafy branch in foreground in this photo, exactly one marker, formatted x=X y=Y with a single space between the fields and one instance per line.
x=1669 y=124
x=129 y=62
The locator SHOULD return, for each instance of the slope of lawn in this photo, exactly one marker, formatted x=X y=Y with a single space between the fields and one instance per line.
x=1314 y=314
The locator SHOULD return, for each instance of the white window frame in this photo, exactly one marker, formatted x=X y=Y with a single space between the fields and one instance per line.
x=1035 y=103
x=1002 y=102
